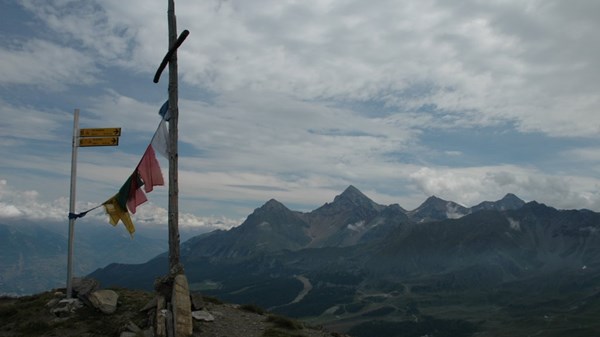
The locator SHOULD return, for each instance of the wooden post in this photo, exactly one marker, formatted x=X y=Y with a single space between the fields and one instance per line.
x=182 y=323
x=173 y=155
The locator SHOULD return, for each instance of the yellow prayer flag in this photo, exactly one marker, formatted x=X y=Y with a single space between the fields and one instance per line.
x=116 y=213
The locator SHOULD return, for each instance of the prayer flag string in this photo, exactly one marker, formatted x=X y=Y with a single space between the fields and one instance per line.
x=147 y=174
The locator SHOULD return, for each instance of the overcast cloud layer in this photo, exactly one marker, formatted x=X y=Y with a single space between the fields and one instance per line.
x=296 y=100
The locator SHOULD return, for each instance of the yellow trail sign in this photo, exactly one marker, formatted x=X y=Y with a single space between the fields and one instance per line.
x=99 y=141
x=100 y=132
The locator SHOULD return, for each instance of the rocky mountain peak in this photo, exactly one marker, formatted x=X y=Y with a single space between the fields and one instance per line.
x=508 y=202
x=271 y=209
x=512 y=199
x=435 y=208
x=273 y=205
x=434 y=201
x=273 y=212
x=353 y=197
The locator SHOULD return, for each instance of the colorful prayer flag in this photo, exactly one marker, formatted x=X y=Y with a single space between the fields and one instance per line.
x=147 y=173
x=116 y=214
x=136 y=195
x=160 y=139
x=164 y=111
x=149 y=170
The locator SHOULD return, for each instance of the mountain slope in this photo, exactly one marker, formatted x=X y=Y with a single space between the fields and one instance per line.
x=33 y=257
x=271 y=227
x=344 y=221
x=534 y=238
x=435 y=209
x=28 y=257
x=359 y=266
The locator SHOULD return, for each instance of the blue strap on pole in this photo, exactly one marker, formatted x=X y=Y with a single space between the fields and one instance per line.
x=82 y=214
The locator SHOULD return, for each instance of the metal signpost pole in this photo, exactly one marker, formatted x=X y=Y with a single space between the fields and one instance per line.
x=83 y=138
x=72 y=203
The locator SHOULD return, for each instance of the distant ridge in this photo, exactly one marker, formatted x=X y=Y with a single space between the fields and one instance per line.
x=370 y=267
x=509 y=201
x=434 y=209
x=351 y=219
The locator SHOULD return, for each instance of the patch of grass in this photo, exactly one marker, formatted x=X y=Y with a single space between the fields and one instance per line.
x=212 y=300
x=355 y=307
x=253 y=308
x=29 y=316
x=266 y=292
x=8 y=311
x=285 y=322
x=34 y=327
x=427 y=326
x=383 y=311
x=272 y=332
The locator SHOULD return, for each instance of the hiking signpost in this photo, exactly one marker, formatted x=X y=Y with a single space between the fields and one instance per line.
x=99 y=137
x=83 y=138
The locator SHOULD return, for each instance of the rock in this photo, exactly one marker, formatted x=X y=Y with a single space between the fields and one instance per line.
x=150 y=305
x=197 y=301
x=164 y=285
x=82 y=287
x=66 y=307
x=128 y=334
x=169 y=320
x=144 y=333
x=133 y=327
x=182 y=307
x=104 y=300
x=203 y=315
x=161 y=316
x=53 y=302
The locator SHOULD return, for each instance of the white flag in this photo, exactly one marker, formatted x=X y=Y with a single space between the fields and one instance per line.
x=160 y=141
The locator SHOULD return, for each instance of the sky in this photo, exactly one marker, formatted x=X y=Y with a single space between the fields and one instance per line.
x=295 y=100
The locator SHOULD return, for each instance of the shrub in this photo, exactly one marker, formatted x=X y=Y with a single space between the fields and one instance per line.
x=8 y=311
x=34 y=327
x=284 y=322
x=253 y=308
x=212 y=300
x=271 y=332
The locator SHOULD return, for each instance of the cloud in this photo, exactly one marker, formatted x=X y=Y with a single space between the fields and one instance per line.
x=87 y=23
x=528 y=62
x=589 y=155
x=472 y=185
x=29 y=123
x=297 y=100
x=26 y=205
x=42 y=63
x=150 y=214
x=481 y=64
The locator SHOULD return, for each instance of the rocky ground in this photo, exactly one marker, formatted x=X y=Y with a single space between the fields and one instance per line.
x=42 y=315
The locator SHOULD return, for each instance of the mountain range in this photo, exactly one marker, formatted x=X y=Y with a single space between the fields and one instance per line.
x=33 y=255
x=500 y=268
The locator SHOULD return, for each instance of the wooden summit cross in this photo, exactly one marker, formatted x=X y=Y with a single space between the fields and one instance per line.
x=174 y=316
x=171 y=58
